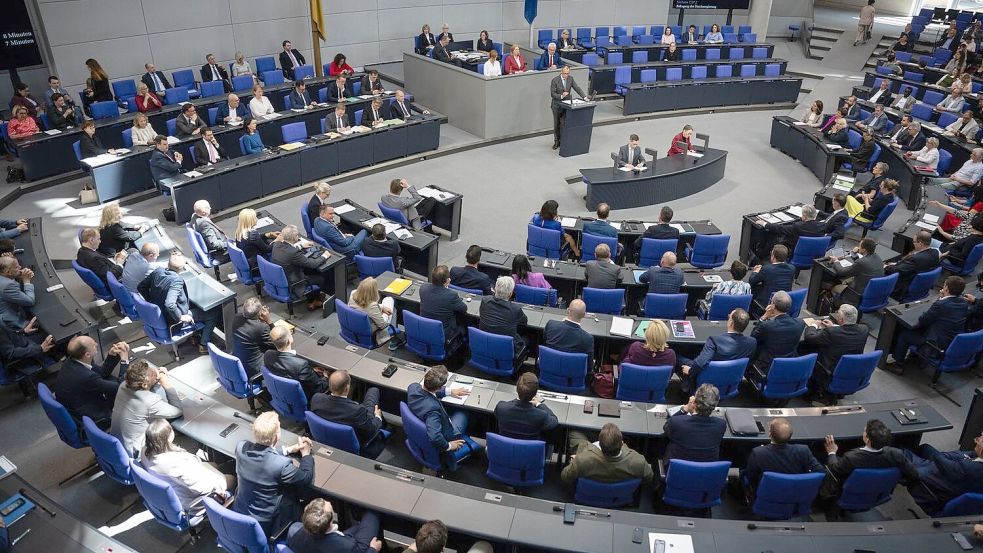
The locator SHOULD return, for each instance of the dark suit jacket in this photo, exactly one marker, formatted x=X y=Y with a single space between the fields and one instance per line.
x=368 y=87
x=840 y=467
x=442 y=304
x=441 y=53
x=450 y=37
x=287 y=65
x=368 y=117
x=833 y=225
x=662 y=280
x=943 y=321
x=213 y=236
x=331 y=124
x=289 y=365
x=428 y=408
x=780 y=458
x=116 y=238
x=335 y=92
x=166 y=289
x=568 y=337
x=556 y=90
x=694 y=437
x=425 y=40
x=502 y=317
x=470 y=277
x=397 y=113
x=242 y=110
x=163 y=166
x=770 y=279
x=861 y=155
x=387 y=248
x=149 y=81
x=255 y=244
x=723 y=347
x=911 y=143
x=948 y=474
x=789 y=234
x=314 y=208
x=862 y=270
x=98 y=264
x=294 y=263
x=523 y=421
x=185 y=127
x=15 y=346
x=911 y=265
x=884 y=99
x=544 y=60
x=91 y=146
x=835 y=342
x=85 y=392
x=301 y=541
x=630 y=158
x=266 y=482
x=661 y=231
x=960 y=249
x=777 y=337
x=201 y=153
x=298 y=100
x=362 y=419
x=250 y=340
x=206 y=73
x=840 y=137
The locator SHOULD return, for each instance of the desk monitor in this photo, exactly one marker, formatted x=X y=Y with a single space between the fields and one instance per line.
x=655 y=155
x=706 y=140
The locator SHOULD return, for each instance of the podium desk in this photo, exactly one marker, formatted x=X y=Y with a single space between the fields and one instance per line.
x=576 y=127
x=901 y=169
x=805 y=144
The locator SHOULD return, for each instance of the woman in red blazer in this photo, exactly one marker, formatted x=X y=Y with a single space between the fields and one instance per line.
x=146 y=100
x=681 y=137
x=515 y=62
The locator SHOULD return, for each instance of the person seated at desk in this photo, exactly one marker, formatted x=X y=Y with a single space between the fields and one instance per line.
x=378 y=244
x=600 y=225
x=602 y=272
x=260 y=105
x=947 y=80
x=364 y=418
x=441 y=53
x=191 y=478
x=371 y=83
x=447 y=432
x=630 y=155
x=155 y=80
x=714 y=36
x=89 y=144
x=568 y=335
x=882 y=97
x=212 y=71
x=492 y=67
x=415 y=208
x=299 y=98
x=299 y=269
x=322 y=191
x=523 y=274
x=484 y=43
x=138 y=265
x=527 y=417
x=877 y=122
x=945 y=475
x=692 y=432
x=10 y=228
x=445 y=32
x=965 y=128
x=958 y=61
x=188 y=124
x=373 y=115
x=146 y=100
x=736 y=286
x=165 y=288
x=950 y=40
x=958 y=221
x=516 y=62
x=921 y=259
x=252 y=143
x=767 y=279
x=865 y=207
x=24 y=351
x=498 y=314
x=60 y=114
x=864 y=264
x=318 y=532
x=547 y=218
x=290 y=59
x=86 y=388
x=285 y=363
x=684 y=136
x=338 y=122
x=401 y=109
x=550 y=59
x=654 y=351
x=667 y=36
x=425 y=40
x=269 y=483
x=814 y=118
x=248 y=238
x=343 y=243
x=608 y=460
x=92 y=259
x=953 y=103
x=240 y=66
x=778 y=456
x=142 y=133
x=968 y=175
x=251 y=335
x=905 y=101
x=852 y=108
x=565 y=42
x=113 y=236
x=938 y=326
x=215 y=239
x=691 y=36
x=788 y=234
x=661 y=230
x=208 y=151
x=902 y=44
x=720 y=347
x=54 y=87
x=965 y=83
x=860 y=158
x=927 y=156
x=365 y=298
x=777 y=333
x=341 y=90
x=22 y=125
x=958 y=251
x=339 y=66
x=832 y=339
x=665 y=278
x=470 y=276
x=672 y=53
x=16 y=293
x=139 y=400
x=891 y=64
x=440 y=303
x=22 y=97
x=837 y=133
x=232 y=110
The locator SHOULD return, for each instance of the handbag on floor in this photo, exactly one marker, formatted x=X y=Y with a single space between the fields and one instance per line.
x=88 y=195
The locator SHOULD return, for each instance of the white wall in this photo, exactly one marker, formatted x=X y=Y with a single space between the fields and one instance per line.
x=884 y=7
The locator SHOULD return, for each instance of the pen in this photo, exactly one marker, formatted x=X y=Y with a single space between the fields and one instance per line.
x=20 y=537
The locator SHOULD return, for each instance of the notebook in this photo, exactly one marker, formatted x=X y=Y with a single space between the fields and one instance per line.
x=398 y=286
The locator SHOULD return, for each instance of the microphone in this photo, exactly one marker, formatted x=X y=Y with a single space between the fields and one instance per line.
x=398 y=473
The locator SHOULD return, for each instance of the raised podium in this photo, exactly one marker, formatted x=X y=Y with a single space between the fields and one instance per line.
x=577 y=128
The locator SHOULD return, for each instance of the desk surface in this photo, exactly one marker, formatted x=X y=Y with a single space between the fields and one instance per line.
x=669 y=165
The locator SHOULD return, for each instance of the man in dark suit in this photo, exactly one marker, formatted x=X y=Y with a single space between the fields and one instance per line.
x=833 y=224
x=155 y=80
x=299 y=269
x=865 y=264
x=602 y=272
x=560 y=88
x=882 y=96
x=337 y=122
x=189 y=124
x=208 y=150
x=899 y=130
x=24 y=352
x=447 y=433
x=90 y=257
x=853 y=108
x=567 y=335
x=660 y=231
x=765 y=280
x=939 y=325
x=630 y=155
x=600 y=226
x=86 y=388
x=163 y=163
x=876 y=453
x=290 y=59
x=693 y=434
x=212 y=71
x=921 y=259
x=860 y=157
x=215 y=239
x=251 y=335
x=269 y=483
x=440 y=303
x=364 y=418
x=832 y=339
x=789 y=233
x=777 y=334
x=499 y=315
x=401 y=109
x=318 y=532
x=666 y=278
x=838 y=133
x=284 y=362
x=373 y=114
x=877 y=123
x=912 y=140
x=527 y=417
x=470 y=276
x=232 y=110
x=371 y=83
x=445 y=32
x=378 y=244
x=550 y=59
x=778 y=456
x=341 y=90
x=322 y=191
x=165 y=288
x=945 y=475
x=721 y=347
x=299 y=98
x=441 y=53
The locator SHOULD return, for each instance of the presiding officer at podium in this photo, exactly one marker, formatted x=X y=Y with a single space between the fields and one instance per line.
x=560 y=91
x=684 y=136
x=630 y=154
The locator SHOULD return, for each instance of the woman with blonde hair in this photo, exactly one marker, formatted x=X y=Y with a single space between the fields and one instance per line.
x=365 y=298
x=654 y=351
x=250 y=240
x=142 y=133
x=241 y=66
x=114 y=236
x=260 y=105
x=147 y=100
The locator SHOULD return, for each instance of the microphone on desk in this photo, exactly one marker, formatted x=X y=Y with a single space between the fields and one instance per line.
x=239 y=415
x=398 y=473
x=940 y=524
x=754 y=526
x=846 y=409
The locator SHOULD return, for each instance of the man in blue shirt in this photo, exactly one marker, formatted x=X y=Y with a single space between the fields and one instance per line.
x=600 y=226
x=343 y=243
x=664 y=279
x=138 y=265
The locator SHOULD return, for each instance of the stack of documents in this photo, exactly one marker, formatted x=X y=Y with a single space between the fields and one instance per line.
x=291 y=146
x=390 y=226
x=434 y=193
x=101 y=159
x=568 y=222
x=264 y=222
x=795 y=210
x=928 y=222
x=344 y=208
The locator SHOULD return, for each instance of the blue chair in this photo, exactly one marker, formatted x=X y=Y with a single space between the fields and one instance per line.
x=708 y=251
x=425 y=337
x=959 y=356
x=171 y=126
x=622 y=40
x=112 y=457
x=665 y=306
x=68 y=429
x=946 y=118
x=653 y=248
x=272 y=78
x=853 y=137
x=543 y=242
x=373 y=266
x=125 y=89
x=614 y=58
x=689 y=54
x=516 y=463
x=275 y=284
x=186 y=79
x=759 y=53
x=606 y=495
x=723 y=71
x=749 y=70
x=913 y=76
x=730 y=37
x=722 y=305
x=562 y=372
x=356 y=328
x=852 y=373
x=865 y=489
x=968 y=266
x=176 y=95
x=877 y=294
x=648 y=76
x=640 y=56
x=472 y=291
x=784 y=496
x=646 y=40
x=157 y=329
x=286 y=396
x=127 y=137
x=123 y=297
x=643 y=383
x=104 y=110
x=160 y=499
x=698 y=72
x=932 y=97
x=695 y=486
x=622 y=78
x=200 y=249
x=584 y=37
x=94 y=282
x=712 y=54
x=264 y=64
x=294 y=132
x=798 y=299
x=393 y=214
x=903 y=57
x=423 y=450
x=598 y=300
x=212 y=88
x=735 y=53
x=535 y=296
x=244 y=273
x=967 y=504
x=591 y=59
x=308 y=227
x=242 y=83
x=882 y=217
x=921 y=285
x=235 y=532
x=743 y=29
x=590 y=241
x=807 y=249
x=492 y=354
x=674 y=74
x=749 y=38
x=725 y=375
x=337 y=435
x=945 y=159
x=773 y=70
x=544 y=37
x=232 y=375
x=358 y=116
x=788 y=377
x=303 y=72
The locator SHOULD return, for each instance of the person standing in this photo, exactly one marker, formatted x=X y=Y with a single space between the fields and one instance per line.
x=866 y=22
x=560 y=88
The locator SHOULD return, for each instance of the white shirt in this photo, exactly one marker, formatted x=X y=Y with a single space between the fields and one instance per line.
x=969 y=131
x=876 y=95
x=971 y=171
x=492 y=68
x=668 y=39
x=260 y=106
x=903 y=103
x=144 y=136
x=190 y=478
x=928 y=157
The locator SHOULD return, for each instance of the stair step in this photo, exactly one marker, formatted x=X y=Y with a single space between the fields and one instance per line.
x=818 y=47
x=828 y=30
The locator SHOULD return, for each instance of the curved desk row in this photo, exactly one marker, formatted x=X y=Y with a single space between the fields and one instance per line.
x=919 y=89
x=666 y=179
x=709 y=92
x=725 y=50
x=602 y=76
x=806 y=144
x=631 y=230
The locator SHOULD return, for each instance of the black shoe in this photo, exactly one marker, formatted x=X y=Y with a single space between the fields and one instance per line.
x=556 y=145
x=896 y=368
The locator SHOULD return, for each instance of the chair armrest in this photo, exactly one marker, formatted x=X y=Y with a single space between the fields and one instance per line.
x=278 y=535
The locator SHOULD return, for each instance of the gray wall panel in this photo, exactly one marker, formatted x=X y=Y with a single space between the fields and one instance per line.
x=76 y=21
x=177 y=15
x=263 y=38
x=405 y=23
x=360 y=53
x=434 y=25
x=188 y=48
x=342 y=6
x=244 y=11
x=637 y=12
x=467 y=20
x=574 y=13
x=349 y=28
x=122 y=56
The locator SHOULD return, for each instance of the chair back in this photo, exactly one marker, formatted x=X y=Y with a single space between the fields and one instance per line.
x=967 y=504
x=725 y=375
x=798 y=300
x=94 y=282
x=235 y=532
x=969 y=265
x=723 y=71
x=807 y=249
x=125 y=89
x=674 y=74
x=356 y=328
x=303 y=72
x=184 y=78
x=198 y=246
x=231 y=374
x=712 y=53
x=692 y=485
x=591 y=59
x=472 y=291
x=643 y=383
x=561 y=371
x=759 y=53
x=922 y=111
x=493 y=354
x=689 y=54
x=784 y=496
x=853 y=137
x=945 y=159
x=945 y=119
x=962 y=351
x=159 y=498
x=424 y=337
x=590 y=241
x=393 y=214
x=601 y=300
x=709 y=251
x=68 y=429
x=921 y=285
x=272 y=78
x=535 y=296
x=640 y=56
x=241 y=264
x=304 y=218
x=543 y=242
x=287 y=395
x=652 y=249
x=932 y=97
x=852 y=372
x=517 y=463
x=123 y=297
x=666 y=306
x=613 y=58
x=877 y=293
x=373 y=266
x=212 y=88
x=722 y=305
x=104 y=110
x=177 y=95
x=171 y=125
x=606 y=495
x=110 y=453
x=417 y=441
x=749 y=70
x=293 y=132
x=264 y=64
x=274 y=280
x=242 y=83
x=865 y=489
x=789 y=377
x=651 y=75
x=153 y=321
x=333 y=434
x=128 y=137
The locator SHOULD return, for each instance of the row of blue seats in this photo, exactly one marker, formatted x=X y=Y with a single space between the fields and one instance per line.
x=923 y=110
x=686 y=54
x=585 y=38
x=622 y=74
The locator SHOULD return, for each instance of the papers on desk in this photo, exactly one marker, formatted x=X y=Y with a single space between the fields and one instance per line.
x=142 y=349
x=795 y=210
x=783 y=217
x=458 y=400
x=834 y=147
x=694 y=154
x=682 y=329
x=800 y=124
x=344 y=208
x=844 y=263
x=568 y=222
x=192 y=174
x=52 y=132
x=429 y=192
x=930 y=218
x=628 y=169
x=298 y=110
x=769 y=218
x=575 y=102
x=234 y=122
x=264 y=222
x=121 y=151
x=360 y=128
x=842 y=185
x=402 y=233
x=172 y=141
x=642 y=326
x=101 y=159
x=678 y=227
x=638 y=274
x=615 y=224
x=270 y=116
x=926 y=225
x=390 y=226
x=621 y=326
x=291 y=146
x=677 y=543
x=712 y=279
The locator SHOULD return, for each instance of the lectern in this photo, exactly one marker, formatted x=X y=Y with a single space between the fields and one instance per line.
x=577 y=128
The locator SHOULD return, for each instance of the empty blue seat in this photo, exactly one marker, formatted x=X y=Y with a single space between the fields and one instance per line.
x=665 y=306
x=784 y=496
x=104 y=110
x=516 y=463
x=244 y=273
x=643 y=383
x=723 y=71
x=286 y=396
x=808 y=248
x=709 y=251
x=692 y=485
x=212 y=88
x=877 y=293
x=674 y=73
x=652 y=250
x=798 y=299
x=275 y=284
x=64 y=423
x=493 y=354
x=640 y=56
x=622 y=40
x=373 y=266
x=562 y=372
x=759 y=53
x=186 y=79
x=750 y=38
x=932 y=97
x=543 y=242
x=968 y=266
x=712 y=53
x=773 y=70
x=648 y=75
x=725 y=375
x=788 y=377
x=584 y=37
x=544 y=37
x=232 y=375
x=921 y=285
x=591 y=59
x=125 y=89
x=622 y=78
x=698 y=72
x=614 y=58
x=176 y=95
x=689 y=54
x=913 y=76
x=425 y=337
x=852 y=373
x=722 y=305
x=637 y=31
x=736 y=53
x=535 y=296
x=607 y=495
x=611 y=302
x=865 y=489
x=234 y=531
x=589 y=242
x=242 y=83
x=303 y=72
x=749 y=70
x=967 y=504
x=124 y=299
x=646 y=40
x=113 y=458
x=730 y=37
x=959 y=356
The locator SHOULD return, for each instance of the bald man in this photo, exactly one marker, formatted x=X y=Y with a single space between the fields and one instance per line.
x=567 y=335
x=778 y=456
x=365 y=418
x=86 y=388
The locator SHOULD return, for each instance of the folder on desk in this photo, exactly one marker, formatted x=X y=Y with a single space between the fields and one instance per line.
x=642 y=325
x=398 y=286
x=637 y=274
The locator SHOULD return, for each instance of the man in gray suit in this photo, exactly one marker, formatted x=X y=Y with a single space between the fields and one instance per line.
x=560 y=91
x=16 y=293
x=630 y=155
x=865 y=265
x=414 y=207
x=337 y=122
x=215 y=239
